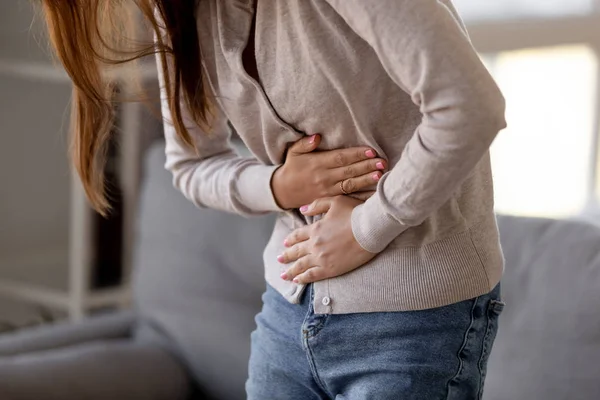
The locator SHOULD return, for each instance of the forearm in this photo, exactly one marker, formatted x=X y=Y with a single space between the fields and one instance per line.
x=212 y=174
x=426 y=51
x=225 y=182
x=430 y=170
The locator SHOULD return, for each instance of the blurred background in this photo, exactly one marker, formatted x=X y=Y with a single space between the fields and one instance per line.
x=59 y=260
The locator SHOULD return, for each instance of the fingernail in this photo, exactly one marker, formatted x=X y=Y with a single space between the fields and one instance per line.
x=304 y=209
x=286 y=243
x=376 y=177
x=280 y=258
x=312 y=139
x=370 y=153
x=296 y=280
x=284 y=276
x=379 y=165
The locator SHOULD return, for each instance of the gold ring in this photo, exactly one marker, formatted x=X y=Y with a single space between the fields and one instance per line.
x=342 y=187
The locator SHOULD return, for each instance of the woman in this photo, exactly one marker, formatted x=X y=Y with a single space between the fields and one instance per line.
x=394 y=297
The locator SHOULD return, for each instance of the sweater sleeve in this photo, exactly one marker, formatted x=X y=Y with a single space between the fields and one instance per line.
x=425 y=49
x=213 y=175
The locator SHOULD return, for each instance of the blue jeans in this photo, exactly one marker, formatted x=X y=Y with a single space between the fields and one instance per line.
x=439 y=353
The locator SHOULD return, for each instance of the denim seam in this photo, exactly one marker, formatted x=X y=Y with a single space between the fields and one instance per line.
x=308 y=350
x=313 y=369
x=305 y=338
x=484 y=347
x=462 y=347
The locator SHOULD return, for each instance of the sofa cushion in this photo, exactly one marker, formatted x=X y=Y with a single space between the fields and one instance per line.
x=198 y=281
x=548 y=345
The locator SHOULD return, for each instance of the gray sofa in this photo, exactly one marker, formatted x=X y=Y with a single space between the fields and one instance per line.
x=198 y=280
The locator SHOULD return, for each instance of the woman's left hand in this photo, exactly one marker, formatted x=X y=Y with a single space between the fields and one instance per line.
x=327 y=248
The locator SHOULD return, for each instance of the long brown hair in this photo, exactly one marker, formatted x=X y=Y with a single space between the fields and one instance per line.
x=90 y=35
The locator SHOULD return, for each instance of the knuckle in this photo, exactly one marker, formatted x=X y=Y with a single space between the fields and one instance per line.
x=321 y=255
x=298 y=236
x=350 y=185
x=331 y=189
x=340 y=159
x=310 y=274
x=366 y=166
x=318 y=180
x=326 y=188
x=348 y=172
x=317 y=227
x=295 y=270
x=305 y=266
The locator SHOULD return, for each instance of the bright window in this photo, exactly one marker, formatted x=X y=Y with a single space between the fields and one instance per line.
x=542 y=161
x=478 y=10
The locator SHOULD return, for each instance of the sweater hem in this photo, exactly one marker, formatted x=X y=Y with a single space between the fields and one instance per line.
x=460 y=267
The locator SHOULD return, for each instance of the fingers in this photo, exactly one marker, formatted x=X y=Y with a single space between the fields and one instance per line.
x=305 y=145
x=299 y=267
x=359 y=169
x=297 y=236
x=346 y=157
x=304 y=271
x=357 y=184
x=311 y=275
x=319 y=206
x=294 y=253
x=363 y=196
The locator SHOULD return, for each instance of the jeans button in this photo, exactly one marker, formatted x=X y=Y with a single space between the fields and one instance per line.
x=326 y=300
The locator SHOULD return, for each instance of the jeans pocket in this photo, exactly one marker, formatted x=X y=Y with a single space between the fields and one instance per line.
x=494 y=309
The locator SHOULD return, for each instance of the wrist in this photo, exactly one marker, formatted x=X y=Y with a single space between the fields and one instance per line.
x=278 y=188
x=373 y=228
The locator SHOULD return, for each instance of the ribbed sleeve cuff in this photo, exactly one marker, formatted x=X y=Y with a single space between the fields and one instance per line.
x=254 y=189
x=373 y=227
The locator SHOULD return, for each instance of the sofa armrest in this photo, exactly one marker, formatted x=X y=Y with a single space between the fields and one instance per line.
x=109 y=326
x=100 y=370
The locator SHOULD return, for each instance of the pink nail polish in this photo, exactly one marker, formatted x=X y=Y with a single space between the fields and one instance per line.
x=280 y=258
x=379 y=165
x=284 y=276
x=286 y=243
x=376 y=177
x=370 y=153
x=304 y=209
x=296 y=280
x=312 y=139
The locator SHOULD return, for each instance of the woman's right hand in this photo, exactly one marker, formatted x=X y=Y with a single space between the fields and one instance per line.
x=308 y=175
